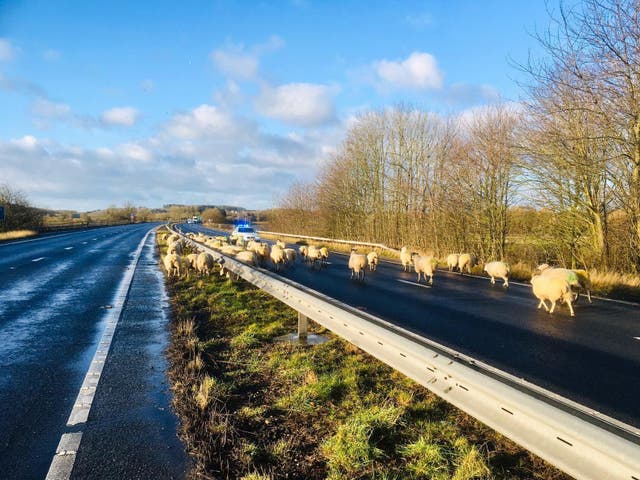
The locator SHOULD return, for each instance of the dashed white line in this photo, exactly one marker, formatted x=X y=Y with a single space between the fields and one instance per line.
x=636 y=338
x=62 y=462
x=68 y=248
x=38 y=259
x=413 y=283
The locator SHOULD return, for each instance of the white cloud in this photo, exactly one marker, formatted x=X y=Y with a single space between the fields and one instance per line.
x=7 y=50
x=304 y=104
x=47 y=109
x=120 y=116
x=419 y=71
x=51 y=55
x=203 y=121
x=238 y=62
x=134 y=152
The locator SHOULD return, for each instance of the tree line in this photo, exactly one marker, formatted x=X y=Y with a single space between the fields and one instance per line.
x=554 y=178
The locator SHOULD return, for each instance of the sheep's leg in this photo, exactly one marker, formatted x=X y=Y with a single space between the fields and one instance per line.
x=543 y=304
x=553 y=306
x=506 y=282
x=571 y=308
x=589 y=295
x=430 y=279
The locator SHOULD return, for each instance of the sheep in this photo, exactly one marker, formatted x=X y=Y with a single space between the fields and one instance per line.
x=357 y=264
x=281 y=244
x=467 y=260
x=191 y=261
x=552 y=288
x=324 y=256
x=175 y=247
x=173 y=264
x=304 y=249
x=231 y=249
x=263 y=251
x=277 y=256
x=500 y=270
x=314 y=255
x=228 y=273
x=577 y=279
x=290 y=253
x=252 y=245
x=423 y=266
x=452 y=261
x=405 y=258
x=248 y=257
x=204 y=263
x=372 y=258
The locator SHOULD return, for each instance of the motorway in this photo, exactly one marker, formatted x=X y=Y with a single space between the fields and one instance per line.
x=55 y=292
x=592 y=358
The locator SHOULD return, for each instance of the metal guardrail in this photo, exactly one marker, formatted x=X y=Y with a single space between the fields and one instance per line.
x=582 y=443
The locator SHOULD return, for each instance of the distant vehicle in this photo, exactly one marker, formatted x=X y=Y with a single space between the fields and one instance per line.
x=244 y=232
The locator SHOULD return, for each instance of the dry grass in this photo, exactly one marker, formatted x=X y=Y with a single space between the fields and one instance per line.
x=15 y=234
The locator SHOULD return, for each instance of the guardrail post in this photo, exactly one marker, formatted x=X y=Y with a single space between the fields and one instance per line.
x=303 y=328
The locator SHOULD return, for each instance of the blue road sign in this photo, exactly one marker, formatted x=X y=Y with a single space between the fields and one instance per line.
x=1 y=213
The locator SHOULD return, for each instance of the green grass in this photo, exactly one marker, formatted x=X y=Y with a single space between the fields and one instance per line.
x=256 y=408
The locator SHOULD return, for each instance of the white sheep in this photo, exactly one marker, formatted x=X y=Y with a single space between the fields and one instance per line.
x=423 y=265
x=372 y=258
x=552 y=288
x=405 y=259
x=281 y=244
x=290 y=253
x=577 y=279
x=324 y=256
x=175 y=247
x=249 y=257
x=357 y=264
x=277 y=256
x=467 y=260
x=304 y=249
x=314 y=255
x=190 y=261
x=173 y=264
x=498 y=269
x=204 y=263
x=231 y=249
x=452 y=261
x=263 y=250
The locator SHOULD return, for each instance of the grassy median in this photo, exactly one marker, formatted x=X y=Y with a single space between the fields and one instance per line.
x=253 y=407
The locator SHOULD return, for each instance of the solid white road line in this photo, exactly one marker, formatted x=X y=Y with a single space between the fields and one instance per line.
x=62 y=462
x=413 y=283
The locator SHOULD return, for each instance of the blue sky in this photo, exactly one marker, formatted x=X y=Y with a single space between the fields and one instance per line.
x=229 y=102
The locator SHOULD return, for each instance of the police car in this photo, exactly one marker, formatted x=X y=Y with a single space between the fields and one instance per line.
x=244 y=232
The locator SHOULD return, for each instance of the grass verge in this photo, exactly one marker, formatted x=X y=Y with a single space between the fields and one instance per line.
x=15 y=234
x=252 y=407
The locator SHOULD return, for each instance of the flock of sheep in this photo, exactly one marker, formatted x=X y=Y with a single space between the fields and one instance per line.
x=549 y=284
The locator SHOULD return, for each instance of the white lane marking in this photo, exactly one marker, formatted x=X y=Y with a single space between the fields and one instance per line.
x=65 y=456
x=38 y=259
x=94 y=239
x=61 y=466
x=68 y=248
x=637 y=338
x=84 y=243
x=413 y=283
x=12 y=268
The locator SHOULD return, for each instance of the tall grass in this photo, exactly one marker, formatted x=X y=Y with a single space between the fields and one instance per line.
x=15 y=234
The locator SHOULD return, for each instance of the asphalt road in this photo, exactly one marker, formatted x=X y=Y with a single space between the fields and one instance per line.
x=592 y=358
x=53 y=293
